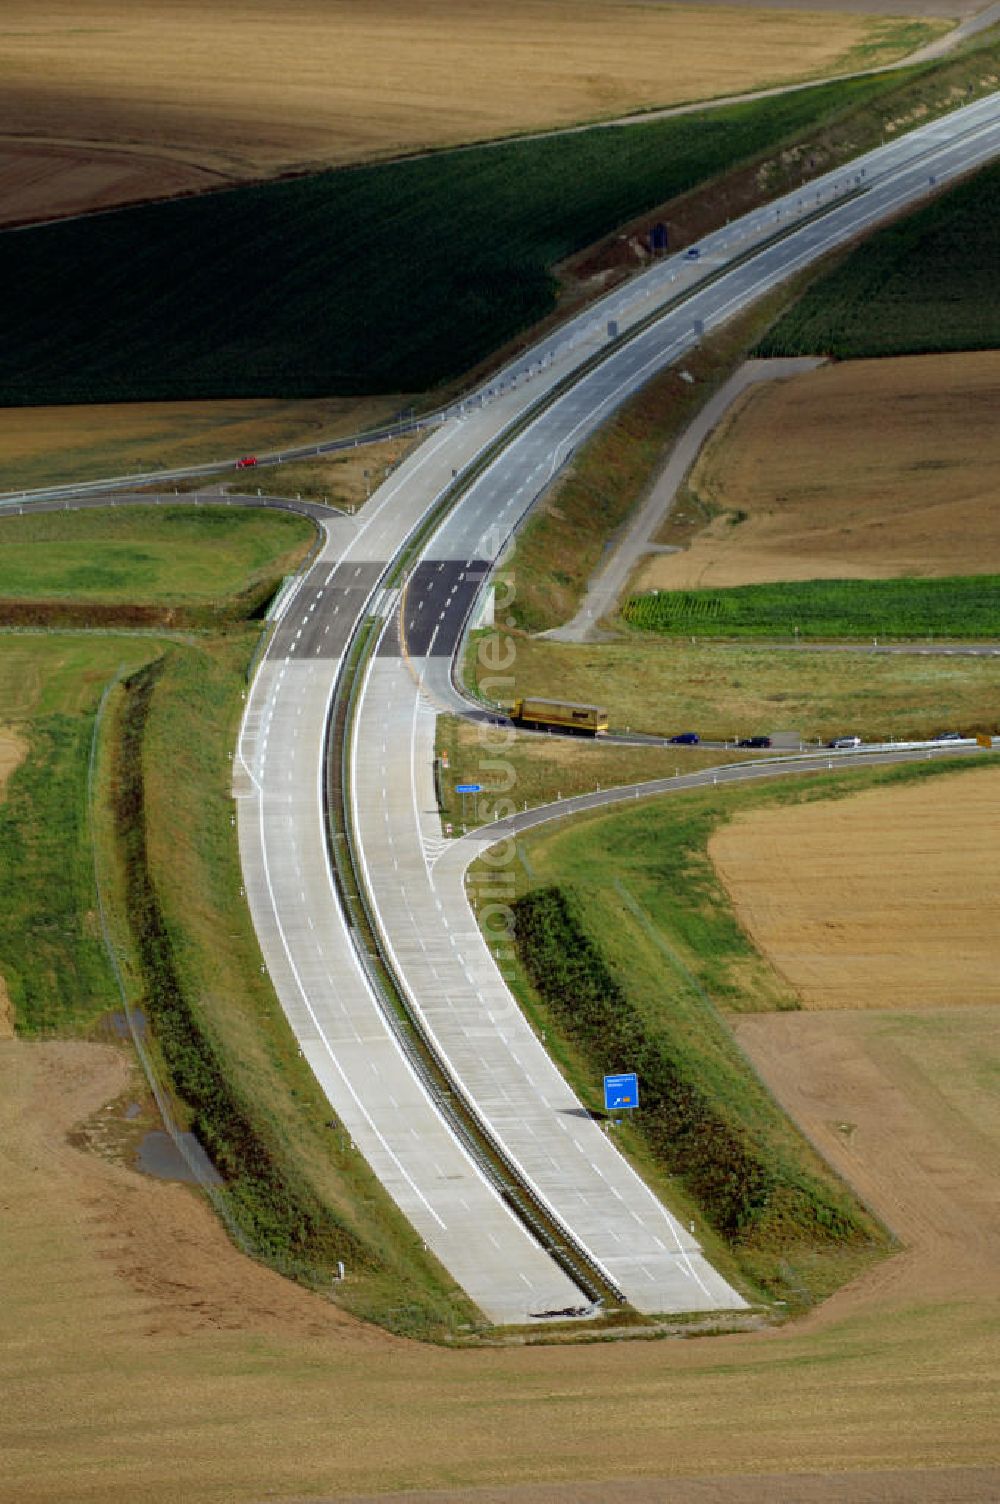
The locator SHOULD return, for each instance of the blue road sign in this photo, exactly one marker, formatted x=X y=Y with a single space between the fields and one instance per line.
x=468 y=788
x=621 y=1091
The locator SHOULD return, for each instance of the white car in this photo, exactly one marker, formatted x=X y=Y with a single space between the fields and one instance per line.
x=843 y=742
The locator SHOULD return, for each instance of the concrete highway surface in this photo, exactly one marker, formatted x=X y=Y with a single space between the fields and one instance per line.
x=427 y=932
x=414 y=875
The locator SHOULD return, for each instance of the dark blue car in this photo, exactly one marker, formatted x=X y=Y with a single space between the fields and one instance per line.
x=684 y=739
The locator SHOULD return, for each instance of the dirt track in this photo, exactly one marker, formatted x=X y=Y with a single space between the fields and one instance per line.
x=13 y=750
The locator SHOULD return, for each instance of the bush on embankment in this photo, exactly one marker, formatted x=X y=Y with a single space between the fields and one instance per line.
x=700 y=1120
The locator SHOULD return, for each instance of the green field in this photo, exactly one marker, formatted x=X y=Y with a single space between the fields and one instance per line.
x=154 y=555
x=961 y=607
x=926 y=284
x=51 y=955
x=378 y=279
x=722 y=690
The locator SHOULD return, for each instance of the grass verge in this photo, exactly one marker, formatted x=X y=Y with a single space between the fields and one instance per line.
x=961 y=607
x=51 y=956
x=629 y=956
x=725 y=690
x=525 y=770
x=566 y=535
x=300 y=1182
x=187 y=566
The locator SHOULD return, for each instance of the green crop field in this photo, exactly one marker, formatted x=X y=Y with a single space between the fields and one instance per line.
x=959 y=607
x=175 y=554
x=378 y=279
x=925 y=284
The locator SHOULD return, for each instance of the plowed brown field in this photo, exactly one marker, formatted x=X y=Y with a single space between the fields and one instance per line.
x=904 y=1105
x=886 y=899
x=106 y=101
x=869 y=469
x=142 y=1358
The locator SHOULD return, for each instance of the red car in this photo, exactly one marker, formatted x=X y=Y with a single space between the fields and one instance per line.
x=247 y=462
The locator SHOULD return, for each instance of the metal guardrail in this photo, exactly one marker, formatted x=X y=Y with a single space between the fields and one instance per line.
x=472 y=1131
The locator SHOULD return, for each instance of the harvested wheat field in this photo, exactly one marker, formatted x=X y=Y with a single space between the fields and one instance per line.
x=13 y=750
x=866 y=470
x=142 y=1358
x=106 y=102
x=47 y=445
x=904 y=1105
x=886 y=899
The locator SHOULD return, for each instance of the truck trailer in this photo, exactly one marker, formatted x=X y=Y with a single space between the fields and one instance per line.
x=560 y=715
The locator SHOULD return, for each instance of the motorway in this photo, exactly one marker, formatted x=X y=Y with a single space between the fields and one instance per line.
x=427 y=931
x=320 y=972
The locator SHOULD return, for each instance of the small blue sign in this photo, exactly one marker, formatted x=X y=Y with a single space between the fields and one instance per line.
x=621 y=1091
x=468 y=788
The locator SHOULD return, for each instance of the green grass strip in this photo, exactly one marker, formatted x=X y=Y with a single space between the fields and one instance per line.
x=966 y=607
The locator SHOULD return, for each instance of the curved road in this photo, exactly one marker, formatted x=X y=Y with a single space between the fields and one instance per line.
x=427 y=933
x=318 y=970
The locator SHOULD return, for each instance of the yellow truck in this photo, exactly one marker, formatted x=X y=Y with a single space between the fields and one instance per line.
x=560 y=715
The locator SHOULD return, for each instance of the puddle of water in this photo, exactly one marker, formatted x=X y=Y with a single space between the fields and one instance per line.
x=158 y=1155
x=118 y=1023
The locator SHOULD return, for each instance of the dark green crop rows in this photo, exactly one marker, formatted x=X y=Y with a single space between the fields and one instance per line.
x=380 y=279
x=959 y=607
x=929 y=283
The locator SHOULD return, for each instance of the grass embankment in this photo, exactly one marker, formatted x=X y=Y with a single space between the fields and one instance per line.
x=925 y=284
x=164 y=826
x=529 y=770
x=563 y=540
x=663 y=685
x=630 y=957
x=328 y=306
x=339 y=480
x=175 y=566
x=51 y=954
x=963 y=607
x=49 y=446
x=296 y=1187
